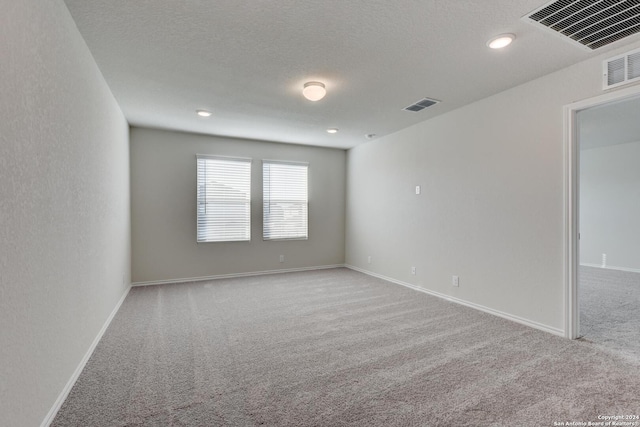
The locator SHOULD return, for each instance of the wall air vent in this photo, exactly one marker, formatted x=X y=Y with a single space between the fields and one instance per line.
x=421 y=105
x=589 y=23
x=621 y=70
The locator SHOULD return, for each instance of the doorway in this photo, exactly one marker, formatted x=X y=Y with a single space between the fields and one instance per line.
x=602 y=246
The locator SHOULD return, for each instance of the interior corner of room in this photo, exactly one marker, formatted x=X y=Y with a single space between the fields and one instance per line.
x=492 y=200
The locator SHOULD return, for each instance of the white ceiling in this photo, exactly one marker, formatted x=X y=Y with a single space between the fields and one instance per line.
x=609 y=124
x=246 y=61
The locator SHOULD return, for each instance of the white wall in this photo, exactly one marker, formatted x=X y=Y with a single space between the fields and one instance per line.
x=491 y=208
x=64 y=206
x=163 y=191
x=610 y=205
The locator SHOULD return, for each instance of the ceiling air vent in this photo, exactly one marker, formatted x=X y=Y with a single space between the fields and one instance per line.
x=589 y=23
x=621 y=70
x=421 y=105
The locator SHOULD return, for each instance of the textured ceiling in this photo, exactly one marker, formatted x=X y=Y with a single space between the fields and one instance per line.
x=246 y=61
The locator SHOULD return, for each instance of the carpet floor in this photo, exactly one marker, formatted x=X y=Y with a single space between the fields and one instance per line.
x=610 y=309
x=335 y=348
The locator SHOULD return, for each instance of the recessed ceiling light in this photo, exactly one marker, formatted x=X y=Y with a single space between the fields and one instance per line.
x=314 y=91
x=203 y=113
x=503 y=40
x=370 y=135
x=332 y=130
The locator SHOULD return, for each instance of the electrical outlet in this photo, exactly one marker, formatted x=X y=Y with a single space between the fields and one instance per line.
x=281 y=258
x=455 y=280
x=369 y=260
x=604 y=260
x=418 y=189
x=413 y=271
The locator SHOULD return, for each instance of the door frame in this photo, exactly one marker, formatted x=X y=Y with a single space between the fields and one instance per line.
x=571 y=248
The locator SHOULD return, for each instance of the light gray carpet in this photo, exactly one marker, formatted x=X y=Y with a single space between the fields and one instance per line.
x=610 y=309
x=335 y=348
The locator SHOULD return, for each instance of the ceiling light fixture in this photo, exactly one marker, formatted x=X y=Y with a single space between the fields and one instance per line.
x=314 y=91
x=332 y=130
x=203 y=113
x=503 y=40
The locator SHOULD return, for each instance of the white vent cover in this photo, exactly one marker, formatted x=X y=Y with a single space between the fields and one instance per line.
x=621 y=70
x=421 y=105
x=590 y=24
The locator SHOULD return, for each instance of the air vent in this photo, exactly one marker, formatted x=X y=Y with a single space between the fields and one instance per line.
x=421 y=105
x=621 y=70
x=588 y=23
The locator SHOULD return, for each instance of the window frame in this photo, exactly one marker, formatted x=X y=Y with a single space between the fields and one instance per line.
x=248 y=203
x=308 y=213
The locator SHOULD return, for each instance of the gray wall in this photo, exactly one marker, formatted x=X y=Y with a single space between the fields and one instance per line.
x=163 y=190
x=491 y=208
x=64 y=206
x=610 y=206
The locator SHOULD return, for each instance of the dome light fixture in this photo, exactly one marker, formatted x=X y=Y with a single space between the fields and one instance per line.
x=314 y=91
x=332 y=130
x=203 y=113
x=503 y=40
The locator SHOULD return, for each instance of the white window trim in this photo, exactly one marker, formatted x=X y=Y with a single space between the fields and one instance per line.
x=229 y=158
x=294 y=163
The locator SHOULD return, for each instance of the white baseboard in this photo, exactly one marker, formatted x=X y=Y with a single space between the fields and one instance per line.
x=230 y=276
x=67 y=388
x=591 y=265
x=498 y=313
x=611 y=267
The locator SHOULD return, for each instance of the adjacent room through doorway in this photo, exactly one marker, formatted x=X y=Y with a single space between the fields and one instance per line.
x=609 y=225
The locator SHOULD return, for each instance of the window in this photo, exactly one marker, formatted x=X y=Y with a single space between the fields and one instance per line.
x=285 y=200
x=224 y=199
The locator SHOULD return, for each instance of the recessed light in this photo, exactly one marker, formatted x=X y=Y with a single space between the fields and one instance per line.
x=503 y=40
x=203 y=113
x=370 y=135
x=314 y=91
x=332 y=130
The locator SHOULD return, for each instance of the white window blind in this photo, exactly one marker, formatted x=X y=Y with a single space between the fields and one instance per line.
x=224 y=199
x=285 y=200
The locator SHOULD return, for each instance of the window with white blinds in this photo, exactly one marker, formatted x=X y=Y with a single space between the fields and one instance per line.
x=285 y=200
x=224 y=199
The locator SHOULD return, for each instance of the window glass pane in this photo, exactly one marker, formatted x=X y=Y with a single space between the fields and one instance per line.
x=224 y=199
x=285 y=200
